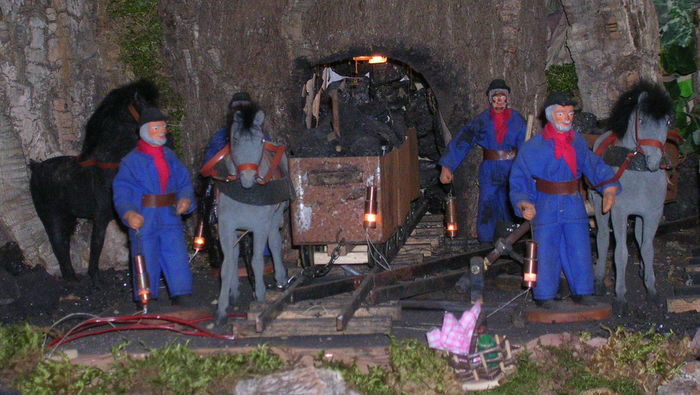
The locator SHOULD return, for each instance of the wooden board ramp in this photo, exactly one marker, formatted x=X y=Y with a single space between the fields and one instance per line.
x=687 y=297
x=318 y=317
x=568 y=311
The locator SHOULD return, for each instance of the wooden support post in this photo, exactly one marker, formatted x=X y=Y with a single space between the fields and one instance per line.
x=341 y=321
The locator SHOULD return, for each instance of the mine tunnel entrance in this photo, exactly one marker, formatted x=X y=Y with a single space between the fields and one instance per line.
x=363 y=106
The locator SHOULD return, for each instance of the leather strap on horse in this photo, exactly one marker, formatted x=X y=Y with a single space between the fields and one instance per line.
x=155 y=201
x=209 y=168
x=273 y=170
x=557 y=187
x=108 y=165
x=493 y=154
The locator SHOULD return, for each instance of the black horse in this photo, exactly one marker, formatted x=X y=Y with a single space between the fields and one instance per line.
x=65 y=188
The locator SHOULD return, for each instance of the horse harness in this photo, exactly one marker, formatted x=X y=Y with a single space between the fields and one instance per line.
x=630 y=159
x=274 y=153
x=108 y=165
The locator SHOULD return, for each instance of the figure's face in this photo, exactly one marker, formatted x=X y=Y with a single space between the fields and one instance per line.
x=154 y=133
x=499 y=101
x=563 y=117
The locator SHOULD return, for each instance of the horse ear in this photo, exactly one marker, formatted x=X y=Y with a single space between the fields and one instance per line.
x=642 y=96
x=238 y=117
x=259 y=118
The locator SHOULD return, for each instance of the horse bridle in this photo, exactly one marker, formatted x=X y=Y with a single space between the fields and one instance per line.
x=278 y=151
x=610 y=140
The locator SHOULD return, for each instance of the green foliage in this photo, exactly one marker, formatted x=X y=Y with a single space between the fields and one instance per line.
x=62 y=377
x=18 y=341
x=677 y=35
x=139 y=32
x=563 y=78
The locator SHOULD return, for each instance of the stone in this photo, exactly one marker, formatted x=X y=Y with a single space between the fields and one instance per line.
x=687 y=382
x=303 y=381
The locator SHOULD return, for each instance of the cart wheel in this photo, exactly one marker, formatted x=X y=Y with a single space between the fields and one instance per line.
x=306 y=253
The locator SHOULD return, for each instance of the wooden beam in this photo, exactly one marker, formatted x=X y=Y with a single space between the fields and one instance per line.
x=358 y=296
x=681 y=305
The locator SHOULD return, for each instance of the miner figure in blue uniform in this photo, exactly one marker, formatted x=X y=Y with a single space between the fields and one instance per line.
x=499 y=131
x=151 y=191
x=544 y=189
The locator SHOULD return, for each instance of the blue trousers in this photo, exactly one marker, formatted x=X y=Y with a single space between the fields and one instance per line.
x=494 y=206
x=563 y=247
x=166 y=254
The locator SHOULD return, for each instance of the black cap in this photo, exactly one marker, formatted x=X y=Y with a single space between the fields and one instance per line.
x=560 y=98
x=151 y=114
x=497 y=84
x=238 y=97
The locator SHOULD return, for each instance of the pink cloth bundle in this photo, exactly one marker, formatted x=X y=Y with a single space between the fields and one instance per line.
x=455 y=336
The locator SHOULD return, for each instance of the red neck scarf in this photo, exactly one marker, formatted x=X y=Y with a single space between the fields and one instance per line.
x=158 y=160
x=562 y=145
x=500 y=123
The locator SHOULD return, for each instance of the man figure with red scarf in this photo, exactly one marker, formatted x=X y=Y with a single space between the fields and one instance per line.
x=499 y=131
x=151 y=191
x=544 y=189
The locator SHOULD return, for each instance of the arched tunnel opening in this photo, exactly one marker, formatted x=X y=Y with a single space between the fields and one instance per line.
x=363 y=106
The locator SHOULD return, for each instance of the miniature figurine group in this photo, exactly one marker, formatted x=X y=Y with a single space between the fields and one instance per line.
x=539 y=179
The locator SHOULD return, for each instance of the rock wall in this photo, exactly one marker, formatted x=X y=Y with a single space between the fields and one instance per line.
x=269 y=48
x=56 y=62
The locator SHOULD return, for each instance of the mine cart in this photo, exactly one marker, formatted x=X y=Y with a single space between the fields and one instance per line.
x=330 y=202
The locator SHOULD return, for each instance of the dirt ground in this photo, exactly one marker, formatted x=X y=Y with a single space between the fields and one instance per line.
x=673 y=245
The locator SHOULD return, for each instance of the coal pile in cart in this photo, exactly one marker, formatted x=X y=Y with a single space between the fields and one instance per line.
x=357 y=108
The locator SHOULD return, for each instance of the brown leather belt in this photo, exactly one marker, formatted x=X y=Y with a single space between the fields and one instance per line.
x=154 y=201
x=557 y=188
x=493 y=154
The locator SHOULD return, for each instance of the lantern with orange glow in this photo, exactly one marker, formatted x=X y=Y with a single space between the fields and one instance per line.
x=530 y=264
x=199 y=241
x=370 y=218
x=143 y=282
x=450 y=216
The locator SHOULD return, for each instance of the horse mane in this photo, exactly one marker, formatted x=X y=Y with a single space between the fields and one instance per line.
x=248 y=112
x=113 y=110
x=657 y=104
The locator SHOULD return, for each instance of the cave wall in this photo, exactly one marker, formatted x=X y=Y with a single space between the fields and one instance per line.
x=57 y=61
x=267 y=48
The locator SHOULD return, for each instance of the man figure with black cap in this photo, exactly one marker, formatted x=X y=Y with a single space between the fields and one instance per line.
x=544 y=189
x=151 y=191
x=499 y=131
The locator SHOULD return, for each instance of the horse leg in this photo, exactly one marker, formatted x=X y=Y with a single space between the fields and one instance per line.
x=97 y=239
x=646 y=248
x=619 y=224
x=229 y=268
x=275 y=242
x=602 y=239
x=258 y=263
x=60 y=228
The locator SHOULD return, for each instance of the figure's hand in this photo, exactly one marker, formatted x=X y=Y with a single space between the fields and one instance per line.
x=528 y=210
x=182 y=206
x=134 y=219
x=445 y=175
x=609 y=195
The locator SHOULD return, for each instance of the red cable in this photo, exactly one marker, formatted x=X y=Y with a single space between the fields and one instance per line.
x=135 y=325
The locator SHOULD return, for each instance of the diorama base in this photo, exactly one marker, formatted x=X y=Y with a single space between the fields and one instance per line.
x=567 y=311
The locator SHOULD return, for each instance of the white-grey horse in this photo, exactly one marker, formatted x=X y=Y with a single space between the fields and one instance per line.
x=249 y=202
x=639 y=125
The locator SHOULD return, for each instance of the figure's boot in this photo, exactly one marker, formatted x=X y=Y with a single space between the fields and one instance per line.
x=584 y=300
x=183 y=301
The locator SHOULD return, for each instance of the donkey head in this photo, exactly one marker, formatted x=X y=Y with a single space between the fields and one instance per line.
x=247 y=141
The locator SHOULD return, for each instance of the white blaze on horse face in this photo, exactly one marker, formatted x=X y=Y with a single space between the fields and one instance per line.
x=563 y=117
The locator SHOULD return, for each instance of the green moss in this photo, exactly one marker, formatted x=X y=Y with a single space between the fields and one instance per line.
x=562 y=78
x=139 y=32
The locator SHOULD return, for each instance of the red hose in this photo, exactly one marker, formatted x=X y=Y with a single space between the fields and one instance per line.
x=133 y=321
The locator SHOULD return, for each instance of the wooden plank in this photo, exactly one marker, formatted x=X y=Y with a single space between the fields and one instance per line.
x=317 y=327
x=352 y=258
x=357 y=298
x=681 y=305
x=407 y=259
x=692 y=269
x=687 y=290
x=327 y=308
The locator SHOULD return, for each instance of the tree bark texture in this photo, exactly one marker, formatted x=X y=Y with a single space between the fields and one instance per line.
x=613 y=43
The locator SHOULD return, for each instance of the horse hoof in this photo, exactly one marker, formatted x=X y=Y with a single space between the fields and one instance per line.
x=655 y=299
x=620 y=308
x=600 y=288
x=220 y=320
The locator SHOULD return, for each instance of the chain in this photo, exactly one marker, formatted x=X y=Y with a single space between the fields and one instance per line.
x=317 y=271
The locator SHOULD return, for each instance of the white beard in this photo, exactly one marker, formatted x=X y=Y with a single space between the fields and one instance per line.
x=143 y=133
x=562 y=129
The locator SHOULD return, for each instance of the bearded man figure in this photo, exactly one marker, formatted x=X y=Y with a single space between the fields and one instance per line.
x=544 y=189
x=500 y=131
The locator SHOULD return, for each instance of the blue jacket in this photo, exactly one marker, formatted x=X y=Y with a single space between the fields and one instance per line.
x=137 y=176
x=536 y=160
x=481 y=131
